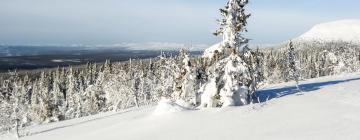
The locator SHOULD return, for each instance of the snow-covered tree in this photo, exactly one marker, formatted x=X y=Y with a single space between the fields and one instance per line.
x=45 y=112
x=134 y=83
x=94 y=97
x=151 y=81
x=230 y=82
x=73 y=97
x=185 y=79
x=58 y=97
x=233 y=23
x=235 y=91
x=292 y=67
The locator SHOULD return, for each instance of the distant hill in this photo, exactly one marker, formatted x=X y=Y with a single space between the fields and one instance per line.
x=336 y=31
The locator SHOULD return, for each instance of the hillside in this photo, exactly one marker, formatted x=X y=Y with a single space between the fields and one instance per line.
x=328 y=109
x=342 y=30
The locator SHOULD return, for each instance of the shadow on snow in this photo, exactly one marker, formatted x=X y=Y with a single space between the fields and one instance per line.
x=74 y=124
x=268 y=94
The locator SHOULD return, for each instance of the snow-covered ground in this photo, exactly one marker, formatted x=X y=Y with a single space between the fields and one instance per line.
x=329 y=108
x=342 y=30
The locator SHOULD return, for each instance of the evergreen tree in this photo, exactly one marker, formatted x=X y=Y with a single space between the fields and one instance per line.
x=73 y=98
x=44 y=100
x=233 y=23
x=58 y=98
x=230 y=82
x=292 y=67
x=186 y=79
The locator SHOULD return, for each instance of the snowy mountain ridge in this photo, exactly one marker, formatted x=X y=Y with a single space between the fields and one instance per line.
x=335 y=31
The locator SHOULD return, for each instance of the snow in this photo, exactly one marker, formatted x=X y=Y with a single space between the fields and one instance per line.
x=328 y=109
x=208 y=92
x=342 y=30
x=57 y=61
x=8 y=136
x=65 y=60
x=161 y=46
x=209 y=52
x=166 y=106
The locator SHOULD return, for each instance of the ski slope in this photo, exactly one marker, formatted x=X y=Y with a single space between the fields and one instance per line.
x=329 y=108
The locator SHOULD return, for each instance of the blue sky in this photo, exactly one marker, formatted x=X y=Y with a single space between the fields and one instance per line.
x=65 y=22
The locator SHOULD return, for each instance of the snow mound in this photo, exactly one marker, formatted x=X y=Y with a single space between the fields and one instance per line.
x=342 y=30
x=166 y=106
x=209 y=52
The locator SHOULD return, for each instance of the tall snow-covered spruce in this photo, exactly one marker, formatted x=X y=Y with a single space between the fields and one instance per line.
x=230 y=66
x=185 y=85
x=291 y=67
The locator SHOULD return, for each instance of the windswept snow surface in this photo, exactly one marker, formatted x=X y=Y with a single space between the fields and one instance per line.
x=342 y=30
x=329 y=109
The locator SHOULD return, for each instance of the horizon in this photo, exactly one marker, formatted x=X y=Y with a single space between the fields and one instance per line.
x=91 y=23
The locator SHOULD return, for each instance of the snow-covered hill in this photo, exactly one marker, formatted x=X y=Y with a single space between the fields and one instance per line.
x=342 y=30
x=328 y=109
